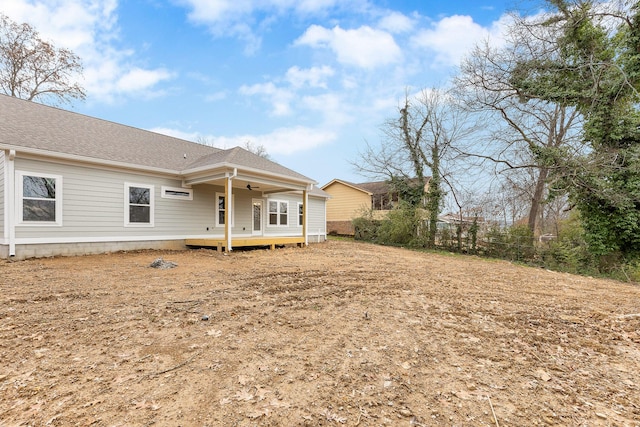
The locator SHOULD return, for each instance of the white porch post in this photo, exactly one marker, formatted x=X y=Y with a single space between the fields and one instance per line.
x=227 y=212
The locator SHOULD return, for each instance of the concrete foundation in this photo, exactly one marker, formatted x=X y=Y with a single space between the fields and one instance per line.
x=73 y=249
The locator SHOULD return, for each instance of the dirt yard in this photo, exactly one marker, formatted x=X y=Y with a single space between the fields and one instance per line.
x=339 y=333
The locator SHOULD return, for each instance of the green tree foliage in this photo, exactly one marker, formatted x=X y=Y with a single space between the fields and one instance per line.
x=569 y=251
x=596 y=68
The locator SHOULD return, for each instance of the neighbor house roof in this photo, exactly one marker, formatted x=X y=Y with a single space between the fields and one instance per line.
x=50 y=131
x=372 y=187
x=346 y=183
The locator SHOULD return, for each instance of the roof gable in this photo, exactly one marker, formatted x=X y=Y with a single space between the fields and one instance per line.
x=241 y=157
x=346 y=184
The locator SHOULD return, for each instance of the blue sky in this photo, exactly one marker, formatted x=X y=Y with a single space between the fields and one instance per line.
x=310 y=80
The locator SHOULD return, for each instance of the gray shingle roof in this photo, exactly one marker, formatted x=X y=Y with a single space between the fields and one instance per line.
x=36 y=126
x=240 y=156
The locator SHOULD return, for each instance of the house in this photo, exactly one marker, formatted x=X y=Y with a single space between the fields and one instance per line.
x=349 y=201
x=452 y=222
x=72 y=184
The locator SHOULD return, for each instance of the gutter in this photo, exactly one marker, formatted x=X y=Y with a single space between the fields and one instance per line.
x=229 y=209
x=10 y=197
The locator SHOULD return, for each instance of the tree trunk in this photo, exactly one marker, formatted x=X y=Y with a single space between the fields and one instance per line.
x=435 y=195
x=536 y=200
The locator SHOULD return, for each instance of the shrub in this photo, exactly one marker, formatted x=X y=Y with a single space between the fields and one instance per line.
x=365 y=227
x=400 y=227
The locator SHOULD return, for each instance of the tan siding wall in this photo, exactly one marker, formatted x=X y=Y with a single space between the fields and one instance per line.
x=345 y=203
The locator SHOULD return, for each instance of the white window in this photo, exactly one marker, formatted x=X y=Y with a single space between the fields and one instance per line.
x=176 y=193
x=139 y=206
x=278 y=212
x=39 y=198
x=300 y=214
x=221 y=208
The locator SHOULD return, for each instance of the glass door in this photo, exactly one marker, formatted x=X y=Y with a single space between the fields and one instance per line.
x=256 y=227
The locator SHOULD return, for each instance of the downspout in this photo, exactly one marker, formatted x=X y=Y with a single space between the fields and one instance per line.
x=9 y=201
x=305 y=219
x=228 y=214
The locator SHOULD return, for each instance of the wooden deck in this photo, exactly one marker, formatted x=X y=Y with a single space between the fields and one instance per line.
x=238 y=242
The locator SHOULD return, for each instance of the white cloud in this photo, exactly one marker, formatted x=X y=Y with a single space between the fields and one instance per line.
x=187 y=136
x=217 y=96
x=279 y=98
x=313 y=77
x=283 y=141
x=138 y=79
x=363 y=47
x=69 y=23
x=233 y=11
x=454 y=36
x=242 y=19
x=396 y=22
x=332 y=107
x=88 y=28
x=287 y=141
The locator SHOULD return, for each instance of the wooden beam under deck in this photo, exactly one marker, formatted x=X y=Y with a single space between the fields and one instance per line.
x=220 y=243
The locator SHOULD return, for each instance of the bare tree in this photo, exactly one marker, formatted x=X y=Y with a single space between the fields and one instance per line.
x=419 y=141
x=257 y=149
x=520 y=135
x=34 y=69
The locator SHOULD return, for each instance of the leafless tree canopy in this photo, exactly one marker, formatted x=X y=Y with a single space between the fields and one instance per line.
x=522 y=133
x=34 y=69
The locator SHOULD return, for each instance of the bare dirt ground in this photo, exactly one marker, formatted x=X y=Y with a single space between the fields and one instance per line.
x=339 y=333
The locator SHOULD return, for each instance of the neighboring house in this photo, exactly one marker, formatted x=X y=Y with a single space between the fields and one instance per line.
x=349 y=201
x=452 y=221
x=72 y=184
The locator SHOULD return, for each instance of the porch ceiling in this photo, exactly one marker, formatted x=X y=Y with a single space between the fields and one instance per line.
x=251 y=182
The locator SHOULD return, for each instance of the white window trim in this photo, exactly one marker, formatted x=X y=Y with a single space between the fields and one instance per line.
x=151 y=188
x=20 y=200
x=278 y=213
x=165 y=193
x=233 y=210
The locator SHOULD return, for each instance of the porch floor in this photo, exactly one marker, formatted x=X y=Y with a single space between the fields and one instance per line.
x=238 y=242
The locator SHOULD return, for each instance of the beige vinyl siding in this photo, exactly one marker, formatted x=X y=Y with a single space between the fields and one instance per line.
x=292 y=228
x=242 y=206
x=346 y=202
x=316 y=217
x=2 y=207
x=94 y=205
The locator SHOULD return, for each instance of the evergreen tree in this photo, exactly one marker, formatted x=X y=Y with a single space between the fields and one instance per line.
x=596 y=68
